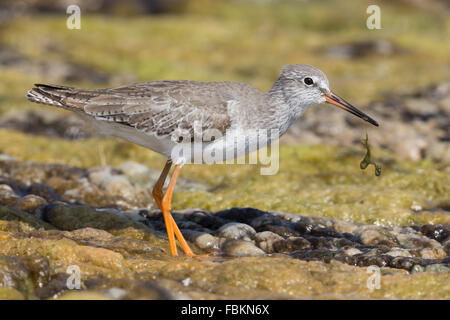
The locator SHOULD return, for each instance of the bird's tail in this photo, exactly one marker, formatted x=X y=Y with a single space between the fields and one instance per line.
x=59 y=96
x=46 y=94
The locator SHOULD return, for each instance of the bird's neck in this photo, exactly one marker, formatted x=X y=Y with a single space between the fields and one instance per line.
x=285 y=110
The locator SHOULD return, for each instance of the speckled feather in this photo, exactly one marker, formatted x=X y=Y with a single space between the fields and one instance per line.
x=159 y=107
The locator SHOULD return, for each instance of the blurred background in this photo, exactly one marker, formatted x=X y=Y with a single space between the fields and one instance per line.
x=398 y=74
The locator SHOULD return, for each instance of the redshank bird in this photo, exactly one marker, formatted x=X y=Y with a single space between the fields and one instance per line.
x=159 y=115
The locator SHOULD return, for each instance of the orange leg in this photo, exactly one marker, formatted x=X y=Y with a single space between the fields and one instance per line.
x=164 y=202
x=158 y=188
x=159 y=196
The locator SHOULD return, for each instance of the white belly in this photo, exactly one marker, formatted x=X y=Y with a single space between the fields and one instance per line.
x=159 y=144
x=234 y=144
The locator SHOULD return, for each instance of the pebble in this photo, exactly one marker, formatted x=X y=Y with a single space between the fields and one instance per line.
x=118 y=185
x=351 y=251
x=344 y=226
x=290 y=217
x=436 y=232
x=203 y=240
x=264 y=220
x=132 y=168
x=399 y=252
x=7 y=195
x=115 y=184
x=433 y=253
x=283 y=230
x=266 y=240
x=415 y=240
x=241 y=248
x=30 y=203
x=417 y=268
x=291 y=244
x=369 y=235
x=405 y=263
x=236 y=231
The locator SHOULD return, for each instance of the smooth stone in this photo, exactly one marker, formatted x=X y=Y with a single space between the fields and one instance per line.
x=399 y=252
x=265 y=219
x=7 y=195
x=241 y=248
x=416 y=240
x=371 y=235
x=88 y=234
x=342 y=226
x=436 y=232
x=433 y=253
x=351 y=251
x=291 y=244
x=417 y=268
x=30 y=203
x=266 y=239
x=235 y=230
x=203 y=240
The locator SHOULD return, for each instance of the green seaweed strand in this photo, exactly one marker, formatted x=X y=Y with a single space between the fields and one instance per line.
x=368 y=158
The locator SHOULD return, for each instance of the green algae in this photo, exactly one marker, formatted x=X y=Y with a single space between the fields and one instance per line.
x=316 y=180
x=77 y=217
x=273 y=276
x=368 y=158
x=313 y=180
x=27 y=220
x=295 y=278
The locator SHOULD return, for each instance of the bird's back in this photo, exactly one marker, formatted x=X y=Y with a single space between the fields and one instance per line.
x=174 y=109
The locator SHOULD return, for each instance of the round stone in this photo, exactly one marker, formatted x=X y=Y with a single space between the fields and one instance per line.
x=241 y=248
x=235 y=230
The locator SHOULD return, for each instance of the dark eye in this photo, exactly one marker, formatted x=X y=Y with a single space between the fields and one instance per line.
x=308 y=81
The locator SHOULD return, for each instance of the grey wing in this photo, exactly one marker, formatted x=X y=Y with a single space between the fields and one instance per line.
x=182 y=109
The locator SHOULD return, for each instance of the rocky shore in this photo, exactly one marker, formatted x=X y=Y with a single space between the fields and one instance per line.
x=50 y=227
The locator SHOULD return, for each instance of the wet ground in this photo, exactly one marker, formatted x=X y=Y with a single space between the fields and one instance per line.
x=121 y=251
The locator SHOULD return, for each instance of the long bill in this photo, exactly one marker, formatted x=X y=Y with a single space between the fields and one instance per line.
x=334 y=99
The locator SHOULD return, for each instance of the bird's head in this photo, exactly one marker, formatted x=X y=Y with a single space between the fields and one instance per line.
x=305 y=86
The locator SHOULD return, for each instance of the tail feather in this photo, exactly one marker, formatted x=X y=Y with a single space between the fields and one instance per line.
x=60 y=96
x=39 y=96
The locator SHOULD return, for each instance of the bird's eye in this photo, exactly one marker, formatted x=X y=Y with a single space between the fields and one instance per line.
x=308 y=81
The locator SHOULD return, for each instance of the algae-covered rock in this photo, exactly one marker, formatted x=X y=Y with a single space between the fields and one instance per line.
x=12 y=214
x=24 y=274
x=290 y=257
x=30 y=203
x=283 y=276
x=64 y=252
x=76 y=217
x=15 y=274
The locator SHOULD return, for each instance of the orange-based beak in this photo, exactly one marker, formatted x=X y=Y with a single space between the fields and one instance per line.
x=331 y=98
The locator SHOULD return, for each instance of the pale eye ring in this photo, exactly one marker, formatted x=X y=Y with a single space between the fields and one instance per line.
x=308 y=81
